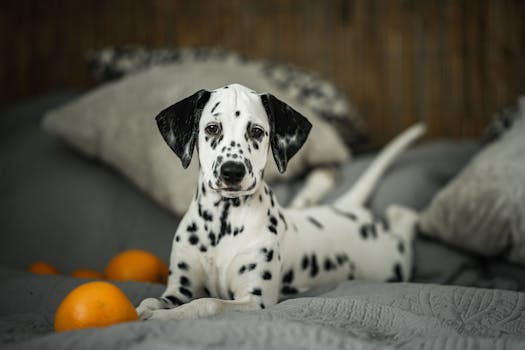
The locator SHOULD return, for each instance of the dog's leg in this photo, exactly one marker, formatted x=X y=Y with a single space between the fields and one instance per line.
x=403 y=221
x=185 y=283
x=205 y=307
x=253 y=284
x=316 y=186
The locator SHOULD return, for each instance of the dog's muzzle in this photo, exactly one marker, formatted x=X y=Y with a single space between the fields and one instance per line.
x=232 y=173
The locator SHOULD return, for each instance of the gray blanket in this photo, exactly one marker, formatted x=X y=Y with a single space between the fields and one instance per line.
x=351 y=315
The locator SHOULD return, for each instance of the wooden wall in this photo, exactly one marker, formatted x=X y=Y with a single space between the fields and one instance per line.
x=451 y=63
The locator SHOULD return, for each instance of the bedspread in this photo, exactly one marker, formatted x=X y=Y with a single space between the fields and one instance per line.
x=350 y=315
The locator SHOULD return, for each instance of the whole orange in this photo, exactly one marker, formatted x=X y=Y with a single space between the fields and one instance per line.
x=94 y=304
x=136 y=265
x=87 y=273
x=43 y=268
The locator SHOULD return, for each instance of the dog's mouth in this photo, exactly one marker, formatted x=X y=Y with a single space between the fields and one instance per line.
x=234 y=190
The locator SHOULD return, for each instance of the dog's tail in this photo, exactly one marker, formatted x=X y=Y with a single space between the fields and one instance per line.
x=363 y=187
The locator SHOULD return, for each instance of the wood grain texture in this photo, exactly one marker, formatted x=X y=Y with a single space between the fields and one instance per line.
x=451 y=63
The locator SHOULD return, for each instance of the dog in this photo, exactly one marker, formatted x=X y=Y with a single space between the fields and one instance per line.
x=236 y=248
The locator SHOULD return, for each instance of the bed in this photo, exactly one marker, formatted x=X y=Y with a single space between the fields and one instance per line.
x=75 y=211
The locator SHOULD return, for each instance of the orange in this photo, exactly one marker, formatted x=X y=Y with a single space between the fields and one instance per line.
x=94 y=304
x=43 y=268
x=137 y=265
x=86 y=273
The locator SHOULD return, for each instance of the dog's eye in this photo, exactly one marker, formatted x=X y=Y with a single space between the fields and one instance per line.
x=213 y=129
x=256 y=132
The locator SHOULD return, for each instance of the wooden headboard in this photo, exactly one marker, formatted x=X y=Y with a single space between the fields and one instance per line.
x=450 y=63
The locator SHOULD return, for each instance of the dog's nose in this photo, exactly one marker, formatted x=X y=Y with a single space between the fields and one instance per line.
x=232 y=172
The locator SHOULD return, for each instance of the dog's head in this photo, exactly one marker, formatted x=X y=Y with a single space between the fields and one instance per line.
x=234 y=127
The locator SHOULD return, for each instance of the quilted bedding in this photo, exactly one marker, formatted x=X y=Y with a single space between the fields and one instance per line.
x=456 y=300
x=351 y=315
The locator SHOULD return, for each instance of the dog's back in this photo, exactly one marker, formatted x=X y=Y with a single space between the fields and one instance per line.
x=344 y=240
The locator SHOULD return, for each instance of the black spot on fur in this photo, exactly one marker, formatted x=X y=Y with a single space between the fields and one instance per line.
x=174 y=300
x=401 y=247
x=256 y=291
x=289 y=290
x=347 y=215
x=203 y=249
x=315 y=222
x=242 y=269
x=269 y=255
x=192 y=227
x=398 y=274
x=314 y=269
x=225 y=225
x=214 y=107
x=184 y=281
x=272 y=201
x=364 y=231
x=204 y=214
x=183 y=266
x=248 y=165
x=252 y=266
x=281 y=216
x=329 y=265
x=170 y=272
x=288 y=277
x=304 y=262
x=186 y=292
x=267 y=275
x=272 y=229
x=177 y=238
x=212 y=238
x=262 y=306
x=341 y=259
x=237 y=113
x=193 y=239
x=230 y=294
x=207 y=291
x=273 y=220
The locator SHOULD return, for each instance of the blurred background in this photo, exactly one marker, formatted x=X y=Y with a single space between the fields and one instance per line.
x=451 y=63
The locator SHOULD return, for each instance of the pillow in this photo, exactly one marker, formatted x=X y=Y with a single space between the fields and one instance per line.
x=115 y=123
x=483 y=208
x=323 y=97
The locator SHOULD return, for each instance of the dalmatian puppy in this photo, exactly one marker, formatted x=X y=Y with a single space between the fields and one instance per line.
x=236 y=248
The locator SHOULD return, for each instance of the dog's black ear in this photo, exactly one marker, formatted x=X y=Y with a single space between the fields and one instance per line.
x=288 y=130
x=179 y=124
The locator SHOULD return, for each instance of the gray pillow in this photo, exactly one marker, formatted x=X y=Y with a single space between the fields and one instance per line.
x=483 y=208
x=308 y=88
x=115 y=123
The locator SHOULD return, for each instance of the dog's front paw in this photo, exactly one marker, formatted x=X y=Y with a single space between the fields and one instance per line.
x=147 y=306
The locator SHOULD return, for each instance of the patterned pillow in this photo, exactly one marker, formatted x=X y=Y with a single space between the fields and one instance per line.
x=115 y=122
x=483 y=208
x=306 y=88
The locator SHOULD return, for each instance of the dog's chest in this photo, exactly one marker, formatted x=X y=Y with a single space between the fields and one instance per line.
x=236 y=229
